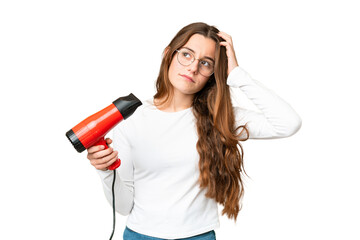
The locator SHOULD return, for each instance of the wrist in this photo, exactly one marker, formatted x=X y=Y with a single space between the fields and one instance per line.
x=231 y=66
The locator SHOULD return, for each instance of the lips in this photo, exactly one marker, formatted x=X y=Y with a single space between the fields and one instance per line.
x=187 y=77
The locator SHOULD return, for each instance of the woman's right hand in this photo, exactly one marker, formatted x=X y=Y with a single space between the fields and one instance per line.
x=102 y=158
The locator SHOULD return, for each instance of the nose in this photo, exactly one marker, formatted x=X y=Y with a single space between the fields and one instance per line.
x=194 y=66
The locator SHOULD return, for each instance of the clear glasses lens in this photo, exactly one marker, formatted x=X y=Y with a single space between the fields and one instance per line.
x=186 y=57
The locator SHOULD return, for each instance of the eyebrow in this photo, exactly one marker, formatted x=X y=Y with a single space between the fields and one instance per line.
x=204 y=57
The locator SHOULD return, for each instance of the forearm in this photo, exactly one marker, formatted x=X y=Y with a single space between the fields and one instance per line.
x=276 y=118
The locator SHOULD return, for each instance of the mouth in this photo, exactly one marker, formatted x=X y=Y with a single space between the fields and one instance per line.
x=187 y=78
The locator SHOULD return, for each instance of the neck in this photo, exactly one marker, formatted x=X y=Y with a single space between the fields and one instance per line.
x=175 y=103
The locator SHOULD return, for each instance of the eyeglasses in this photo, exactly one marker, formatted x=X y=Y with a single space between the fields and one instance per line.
x=185 y=57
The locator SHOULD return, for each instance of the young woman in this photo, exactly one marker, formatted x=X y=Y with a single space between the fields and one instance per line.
x=180 y=151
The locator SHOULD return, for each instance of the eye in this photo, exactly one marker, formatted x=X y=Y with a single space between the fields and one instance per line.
x=186 y=54
x=205 y=63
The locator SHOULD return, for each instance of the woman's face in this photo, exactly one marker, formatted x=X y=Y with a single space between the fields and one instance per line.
x=187 y=79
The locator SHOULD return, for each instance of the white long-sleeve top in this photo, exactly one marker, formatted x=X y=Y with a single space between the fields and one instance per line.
x=157 y=182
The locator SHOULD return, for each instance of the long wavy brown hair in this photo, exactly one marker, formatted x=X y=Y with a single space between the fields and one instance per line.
x=221 y=154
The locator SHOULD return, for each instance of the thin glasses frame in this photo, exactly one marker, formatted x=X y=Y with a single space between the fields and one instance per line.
x=192 y=60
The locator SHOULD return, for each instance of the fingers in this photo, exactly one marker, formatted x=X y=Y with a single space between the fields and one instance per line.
x=228 y=43
x=103 y=163
x=94 y=149
x=100 y=157
x=226 y=37
x=100 y=154
x=108 y=141
x=230 y=52
x=103 y=166
x=103 y=158
x=97 y=148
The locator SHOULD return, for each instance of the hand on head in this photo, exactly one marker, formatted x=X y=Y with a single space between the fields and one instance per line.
x=230 y=52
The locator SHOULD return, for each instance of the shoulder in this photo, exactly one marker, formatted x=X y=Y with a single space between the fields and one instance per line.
x=127 y=125
x=145 y=110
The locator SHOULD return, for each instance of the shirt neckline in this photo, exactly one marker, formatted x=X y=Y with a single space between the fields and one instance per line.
x=170 y=113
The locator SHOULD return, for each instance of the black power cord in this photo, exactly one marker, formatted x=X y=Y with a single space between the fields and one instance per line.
x=113 y=203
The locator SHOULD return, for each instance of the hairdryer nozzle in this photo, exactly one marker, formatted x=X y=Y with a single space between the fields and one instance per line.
x=127 y=105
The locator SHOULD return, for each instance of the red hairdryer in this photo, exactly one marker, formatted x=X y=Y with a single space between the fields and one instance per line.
x=92 y=130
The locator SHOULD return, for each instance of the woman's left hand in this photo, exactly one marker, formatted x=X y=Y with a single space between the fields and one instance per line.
x=230 y=52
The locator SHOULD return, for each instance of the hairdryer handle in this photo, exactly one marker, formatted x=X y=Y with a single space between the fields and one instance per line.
x=117 y=163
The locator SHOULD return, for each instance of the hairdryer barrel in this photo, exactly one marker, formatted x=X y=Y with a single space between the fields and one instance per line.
x=92 y=130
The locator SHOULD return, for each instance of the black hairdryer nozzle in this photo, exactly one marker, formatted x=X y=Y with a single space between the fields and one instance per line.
x=127 y=105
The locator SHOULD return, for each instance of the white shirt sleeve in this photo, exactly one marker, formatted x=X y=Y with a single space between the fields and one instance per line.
x=124 y=183
x=276 y=119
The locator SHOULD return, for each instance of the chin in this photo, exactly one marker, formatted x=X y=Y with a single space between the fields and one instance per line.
x=186 y=91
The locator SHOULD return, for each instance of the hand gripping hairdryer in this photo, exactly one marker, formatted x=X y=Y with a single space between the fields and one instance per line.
x=92 y=130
